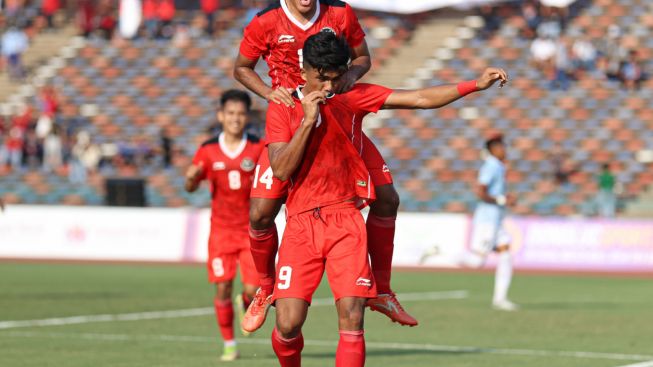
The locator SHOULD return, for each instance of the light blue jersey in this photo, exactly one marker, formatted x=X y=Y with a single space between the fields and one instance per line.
x=493 y=175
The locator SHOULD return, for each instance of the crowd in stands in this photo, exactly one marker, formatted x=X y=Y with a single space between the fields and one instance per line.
x=563 y=58
x=38 y=137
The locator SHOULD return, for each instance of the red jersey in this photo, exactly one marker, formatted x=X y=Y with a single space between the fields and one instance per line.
x=332 y=170
x=278 y=37
x=230 y=176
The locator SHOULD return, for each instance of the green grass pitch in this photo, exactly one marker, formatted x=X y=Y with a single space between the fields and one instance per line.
x=566 y=321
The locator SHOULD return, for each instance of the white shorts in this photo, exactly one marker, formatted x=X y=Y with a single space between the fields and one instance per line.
x=486 y=236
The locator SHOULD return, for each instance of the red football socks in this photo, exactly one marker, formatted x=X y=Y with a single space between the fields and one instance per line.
x=224 y=312
x=351 y=349
x=380 y=245
x=263 y=245
x=288 y=351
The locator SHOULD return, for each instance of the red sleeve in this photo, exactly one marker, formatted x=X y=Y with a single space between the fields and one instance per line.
x=368 y=98
x=253 y=44
x=353 y=31
x=201 y=156
x=277 y=124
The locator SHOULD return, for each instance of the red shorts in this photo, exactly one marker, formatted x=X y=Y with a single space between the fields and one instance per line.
x=227 y=249
x=266 y=186
x=334 y=238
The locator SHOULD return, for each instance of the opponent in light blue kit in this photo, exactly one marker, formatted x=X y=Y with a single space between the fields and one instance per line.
x=488 y=234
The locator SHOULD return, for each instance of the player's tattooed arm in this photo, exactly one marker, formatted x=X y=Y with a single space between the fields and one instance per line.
x=361 y=62
x=286 y=157
x=245 y=74
x=193 y=176
x=439 y=96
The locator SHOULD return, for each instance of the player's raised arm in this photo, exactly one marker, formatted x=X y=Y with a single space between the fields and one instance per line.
x=286 y=157
x=439 y=96
x=361 y=62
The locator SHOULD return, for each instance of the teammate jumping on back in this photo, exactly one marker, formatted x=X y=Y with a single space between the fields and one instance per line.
x=277 y=35
x=228 y=163
x=314 y=144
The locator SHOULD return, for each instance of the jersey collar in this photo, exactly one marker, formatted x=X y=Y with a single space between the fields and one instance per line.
x=296 y=22
x=229 y=153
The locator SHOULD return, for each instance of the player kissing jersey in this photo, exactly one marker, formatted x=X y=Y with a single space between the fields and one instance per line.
x=276 y=36
x=336 y=172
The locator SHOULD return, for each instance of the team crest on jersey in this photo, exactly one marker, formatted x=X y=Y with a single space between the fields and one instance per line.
x=329 y=29
x=247 y=164
x=286 y=38
x=218 y=166
x=385 y=168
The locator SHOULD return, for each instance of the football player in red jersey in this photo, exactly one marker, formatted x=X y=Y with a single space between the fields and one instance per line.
x=227 y=162
x=310 y=145
x=277 y=35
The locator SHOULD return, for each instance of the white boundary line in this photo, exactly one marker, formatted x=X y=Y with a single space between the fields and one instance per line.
x=333 y=343
x=642 y=364
x=192 y=312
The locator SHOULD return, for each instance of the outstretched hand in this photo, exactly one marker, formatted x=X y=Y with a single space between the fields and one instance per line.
x=491 y=76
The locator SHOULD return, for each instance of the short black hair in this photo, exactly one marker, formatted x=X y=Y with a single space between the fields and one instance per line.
x=605 y=166
x=236 y=95
x=496 y=139
x=326 y=52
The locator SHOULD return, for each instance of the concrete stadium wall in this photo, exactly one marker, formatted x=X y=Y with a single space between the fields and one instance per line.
x=423 y=240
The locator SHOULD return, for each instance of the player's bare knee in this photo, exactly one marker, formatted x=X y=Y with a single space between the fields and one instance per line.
x=288 y=326
x=223 y=290
x=387 y=201
x=351 y=312
x=258 y=219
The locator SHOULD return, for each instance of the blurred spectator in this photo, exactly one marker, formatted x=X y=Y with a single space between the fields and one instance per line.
x=150 y=18
x=584 y=54
x=606 y=198
x=48 y=101
x=44 y=126
x=13 y=149
x=491 y=20
x=32 y=149
x=85 y=157
x=611 y=53
x=631 y=72
x=562 y=64
x=551 y=24
x=85 y=16
x=209 y=8
x=14 y=44
x=166 y=148
x=106 y=18
x=52 y=151
x=531 y=15
x=543 y=52
x=166 y=13
x=563 y=167
x=48 y=9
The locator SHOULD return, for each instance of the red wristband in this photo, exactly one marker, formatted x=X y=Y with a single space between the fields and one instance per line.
x=465 y=88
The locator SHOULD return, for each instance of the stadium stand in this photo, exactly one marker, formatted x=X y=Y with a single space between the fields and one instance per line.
x=124 y=93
